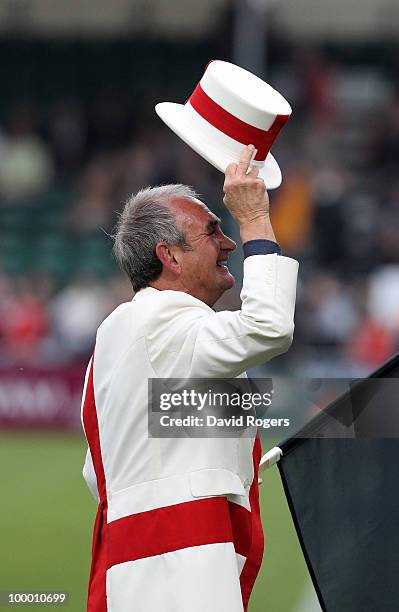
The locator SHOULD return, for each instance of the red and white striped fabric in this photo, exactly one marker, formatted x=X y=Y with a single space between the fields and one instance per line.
x=178 y=525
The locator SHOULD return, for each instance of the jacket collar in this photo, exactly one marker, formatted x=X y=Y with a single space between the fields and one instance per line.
x=148 y=291
x=144 y=292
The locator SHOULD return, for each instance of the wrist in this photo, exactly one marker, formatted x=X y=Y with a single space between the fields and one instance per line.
x=257 y=229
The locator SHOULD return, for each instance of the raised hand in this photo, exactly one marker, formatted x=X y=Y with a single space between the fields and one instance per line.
x=246 y=198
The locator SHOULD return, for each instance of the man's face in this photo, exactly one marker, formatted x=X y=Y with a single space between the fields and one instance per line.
x=204 y=273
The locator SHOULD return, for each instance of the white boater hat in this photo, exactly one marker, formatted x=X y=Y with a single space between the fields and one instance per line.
x=230 y=108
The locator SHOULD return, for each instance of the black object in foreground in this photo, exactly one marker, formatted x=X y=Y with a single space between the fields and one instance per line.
x=343 y=495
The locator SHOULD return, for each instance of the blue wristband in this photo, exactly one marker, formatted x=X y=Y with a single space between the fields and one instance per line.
x=260 y=247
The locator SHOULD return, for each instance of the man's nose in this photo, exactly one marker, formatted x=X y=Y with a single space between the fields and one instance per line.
x=228 y=244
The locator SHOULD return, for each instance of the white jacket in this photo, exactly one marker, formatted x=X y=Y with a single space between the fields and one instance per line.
x=141 y=480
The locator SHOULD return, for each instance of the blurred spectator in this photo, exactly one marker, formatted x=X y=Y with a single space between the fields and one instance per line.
x=330 y=312
x=93 y=208
x=292 y=210
x=26 y=166
x=370 y=345
x=137 y=167
x=24 y=320
x=76 y=312
x=329 y=185
x=388 y=243
x=68 y=135
x=317 y=75
x=384 y=139
x=383 y=297
x=110 y=124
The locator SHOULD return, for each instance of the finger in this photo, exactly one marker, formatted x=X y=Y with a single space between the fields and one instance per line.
x=253 y=171
x=231 y=170
x=245 y=159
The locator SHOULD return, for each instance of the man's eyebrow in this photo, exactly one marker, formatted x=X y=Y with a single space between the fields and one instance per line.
x=212 y=223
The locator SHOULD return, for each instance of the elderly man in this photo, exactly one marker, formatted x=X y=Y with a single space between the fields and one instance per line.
x=178 y=525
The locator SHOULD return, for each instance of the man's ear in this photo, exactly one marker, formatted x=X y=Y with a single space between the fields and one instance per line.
x=166 y=255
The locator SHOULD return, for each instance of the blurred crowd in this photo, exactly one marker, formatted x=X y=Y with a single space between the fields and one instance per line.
x=70 y=169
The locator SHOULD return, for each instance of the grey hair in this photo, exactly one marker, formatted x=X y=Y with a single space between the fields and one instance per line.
x=145 y=221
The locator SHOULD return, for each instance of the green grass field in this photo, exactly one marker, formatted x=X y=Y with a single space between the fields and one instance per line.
x=46 y=517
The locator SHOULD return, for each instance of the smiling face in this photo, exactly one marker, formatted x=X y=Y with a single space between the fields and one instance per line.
x=202 y=270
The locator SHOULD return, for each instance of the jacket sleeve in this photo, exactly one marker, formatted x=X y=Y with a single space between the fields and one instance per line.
x=188 y=340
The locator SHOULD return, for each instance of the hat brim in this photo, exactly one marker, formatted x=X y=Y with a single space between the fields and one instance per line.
x=211 y=149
